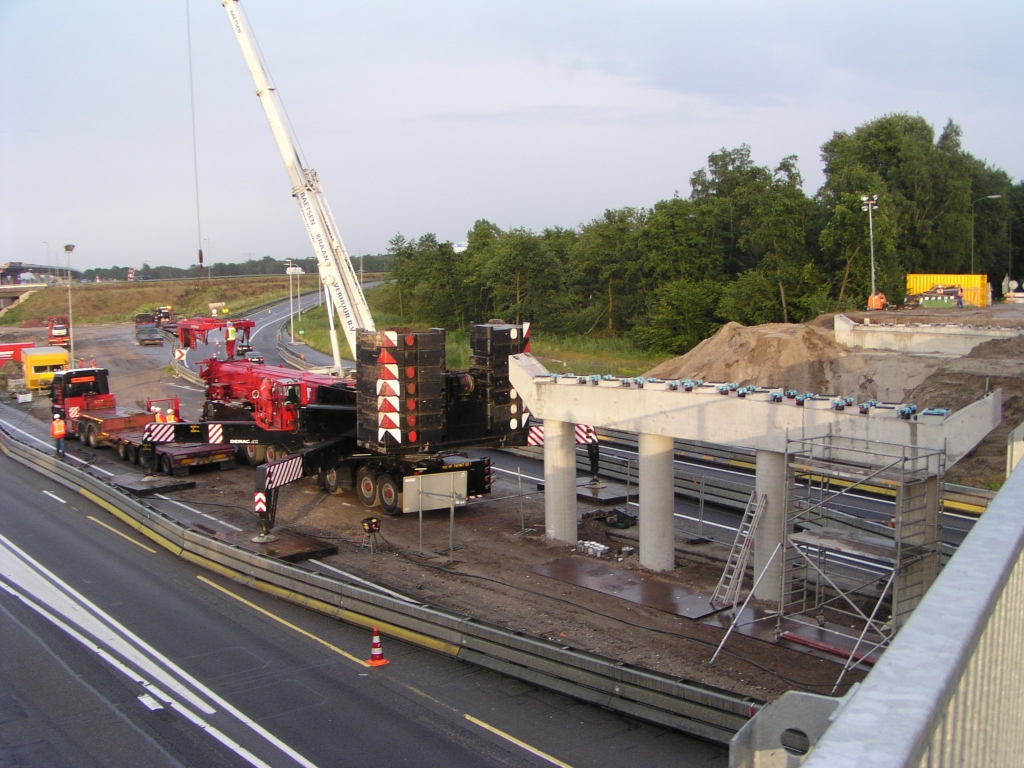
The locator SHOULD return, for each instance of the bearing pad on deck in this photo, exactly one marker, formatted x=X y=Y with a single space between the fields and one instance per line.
x=291 y=547
x=151 y=484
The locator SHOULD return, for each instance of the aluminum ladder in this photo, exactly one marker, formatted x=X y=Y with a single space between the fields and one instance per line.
x=728 y=590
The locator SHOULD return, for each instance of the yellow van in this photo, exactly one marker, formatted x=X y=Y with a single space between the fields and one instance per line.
x=40 y=363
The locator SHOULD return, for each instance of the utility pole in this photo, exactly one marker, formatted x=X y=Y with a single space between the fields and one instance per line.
x=870 y=203
x=986 y=197
x=71 y=327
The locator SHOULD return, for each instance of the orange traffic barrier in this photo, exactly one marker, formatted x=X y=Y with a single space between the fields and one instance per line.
x=376 y=652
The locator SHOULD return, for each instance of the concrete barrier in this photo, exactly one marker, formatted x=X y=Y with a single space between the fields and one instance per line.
x=1014 y=449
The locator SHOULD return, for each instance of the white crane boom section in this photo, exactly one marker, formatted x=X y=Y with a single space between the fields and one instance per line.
x=336 y=272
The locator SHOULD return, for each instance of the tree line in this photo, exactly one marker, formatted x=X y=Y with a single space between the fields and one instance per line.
x=264 y=266
x=746 y=245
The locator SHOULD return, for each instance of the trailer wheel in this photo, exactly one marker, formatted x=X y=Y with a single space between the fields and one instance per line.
x=366 y=485
x=255 y=454
x=90 y=436
x=332 y=481
x=165 y=465
x=122 y=450
x=133 y=454
x=390 y=495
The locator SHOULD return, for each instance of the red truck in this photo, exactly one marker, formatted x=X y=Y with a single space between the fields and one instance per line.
x=93 y=415
x=58 y=331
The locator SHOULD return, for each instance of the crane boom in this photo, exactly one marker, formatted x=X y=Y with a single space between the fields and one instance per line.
x=335 y=268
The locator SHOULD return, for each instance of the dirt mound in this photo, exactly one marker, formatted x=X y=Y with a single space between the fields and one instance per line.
x=776 y=355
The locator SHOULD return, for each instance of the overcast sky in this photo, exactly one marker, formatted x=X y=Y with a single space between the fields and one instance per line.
x=426 y=116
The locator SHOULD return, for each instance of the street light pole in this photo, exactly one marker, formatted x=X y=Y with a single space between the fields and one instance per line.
x=71 y=332
x=870 y=203
x=288 y=264
x=986 y=197
x=49 y=277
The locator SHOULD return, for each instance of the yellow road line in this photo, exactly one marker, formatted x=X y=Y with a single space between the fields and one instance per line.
x=518 y=743
x=278 y=619
x=122 y=535
x=131 y=522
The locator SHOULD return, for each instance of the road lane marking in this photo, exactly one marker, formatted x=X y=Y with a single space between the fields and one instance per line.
x=122 y=535
x=151 y=704
x=18 y=567
x=182 y=386
x=195 y=511
x=54 y=496
x=518 y=742
x=278 y=619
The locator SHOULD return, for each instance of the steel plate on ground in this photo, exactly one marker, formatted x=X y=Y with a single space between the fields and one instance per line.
x=151 y=484
x=634 y=587
x=290 y=546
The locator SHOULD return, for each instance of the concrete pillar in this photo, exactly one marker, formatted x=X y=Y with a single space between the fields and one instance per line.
x=770 y=479
x=657 y=503
x=560 y=481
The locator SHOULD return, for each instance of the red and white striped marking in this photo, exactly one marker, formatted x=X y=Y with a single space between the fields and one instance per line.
x=283 y=472
x=159 y=433
x=216 y=433
x=260 y=502
x=584 y=434
x=74 y=412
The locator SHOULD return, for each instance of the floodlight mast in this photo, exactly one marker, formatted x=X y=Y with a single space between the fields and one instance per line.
x=336 y=272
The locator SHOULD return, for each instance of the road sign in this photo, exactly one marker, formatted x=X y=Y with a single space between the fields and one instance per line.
x=294 y=271
x=179 y=354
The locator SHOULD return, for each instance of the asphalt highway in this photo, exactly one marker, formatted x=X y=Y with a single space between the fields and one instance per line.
x=119 y=654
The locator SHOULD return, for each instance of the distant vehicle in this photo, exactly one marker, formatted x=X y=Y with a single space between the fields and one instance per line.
x=57 y=331
x=146 y=332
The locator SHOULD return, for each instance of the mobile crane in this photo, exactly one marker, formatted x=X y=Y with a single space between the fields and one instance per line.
x=402 y=419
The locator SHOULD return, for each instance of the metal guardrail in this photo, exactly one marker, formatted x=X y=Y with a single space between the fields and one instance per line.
x=949 y=689
x=681 y=705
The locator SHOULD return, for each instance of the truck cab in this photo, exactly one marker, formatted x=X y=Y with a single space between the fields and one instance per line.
x=80 y=388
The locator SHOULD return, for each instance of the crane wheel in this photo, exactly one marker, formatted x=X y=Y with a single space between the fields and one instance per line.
x=275 y=452
x=332 y=480
x=366 y=485
x=390 y=494
x=255 y=454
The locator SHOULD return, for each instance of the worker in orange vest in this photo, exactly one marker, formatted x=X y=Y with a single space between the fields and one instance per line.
x=158 y=415
x=59 y=431
x=171 y=418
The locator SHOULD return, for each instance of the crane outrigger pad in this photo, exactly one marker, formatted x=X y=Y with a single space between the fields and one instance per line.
x=289 y=546
x=151 y=484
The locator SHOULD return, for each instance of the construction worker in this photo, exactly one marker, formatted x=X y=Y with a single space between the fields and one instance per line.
x=230 y=340
x=593 y=452
x=171 y=417
x=959 y=297
x=59 y=431
x=159 y=417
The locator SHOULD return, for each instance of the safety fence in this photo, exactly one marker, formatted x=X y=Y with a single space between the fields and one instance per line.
x=681 y=705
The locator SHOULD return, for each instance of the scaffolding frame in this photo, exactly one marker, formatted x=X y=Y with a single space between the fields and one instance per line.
x=852 y=566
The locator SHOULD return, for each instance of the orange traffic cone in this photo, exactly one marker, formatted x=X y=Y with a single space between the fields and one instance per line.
x=376 y=652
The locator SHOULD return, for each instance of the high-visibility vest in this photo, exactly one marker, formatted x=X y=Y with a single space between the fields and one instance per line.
x=58 y=429
x=171 y=418
x=231 y=333
x=159 y=417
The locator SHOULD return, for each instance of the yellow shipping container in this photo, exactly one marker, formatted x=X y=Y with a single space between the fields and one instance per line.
x=975 y=286
x=40 y=363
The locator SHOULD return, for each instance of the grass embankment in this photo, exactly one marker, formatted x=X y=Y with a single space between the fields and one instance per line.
x=581 y=355
x=119 y=302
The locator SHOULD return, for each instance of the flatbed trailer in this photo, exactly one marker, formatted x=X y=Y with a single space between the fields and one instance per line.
x=173 y=459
